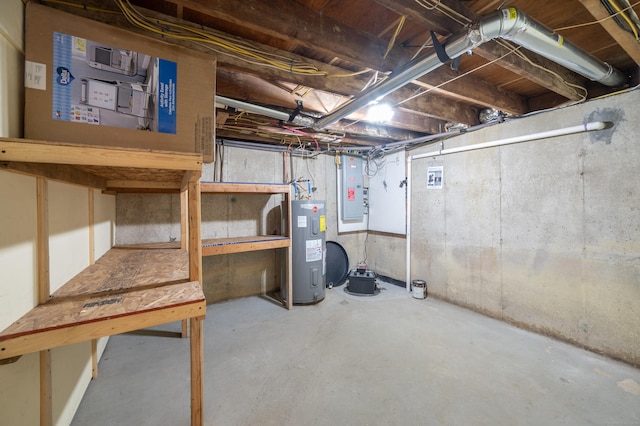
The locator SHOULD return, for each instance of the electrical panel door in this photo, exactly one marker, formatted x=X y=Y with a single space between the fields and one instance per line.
x=352 y=188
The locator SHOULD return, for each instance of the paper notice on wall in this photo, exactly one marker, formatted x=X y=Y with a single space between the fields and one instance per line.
x=434 y=177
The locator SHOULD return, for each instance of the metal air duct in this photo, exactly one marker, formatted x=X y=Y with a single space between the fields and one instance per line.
x=241 y=105
x=510 y=24
x=267 y=112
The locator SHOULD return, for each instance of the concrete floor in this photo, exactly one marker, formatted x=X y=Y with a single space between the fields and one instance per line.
x=349 y=360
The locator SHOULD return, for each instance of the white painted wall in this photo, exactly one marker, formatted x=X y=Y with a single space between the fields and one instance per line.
x=18 y=286
x=387 y=197
x=69 y=245
x=11 y=67
x=19 y=394
x=68 y=232
x=103 y=222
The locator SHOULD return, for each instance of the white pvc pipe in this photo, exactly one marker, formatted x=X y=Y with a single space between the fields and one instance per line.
x=408 y=249
x=586 y=127
x=268 y=112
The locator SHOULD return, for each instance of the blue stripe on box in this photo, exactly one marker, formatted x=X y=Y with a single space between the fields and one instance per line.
x=61 y=93
x=167 y=77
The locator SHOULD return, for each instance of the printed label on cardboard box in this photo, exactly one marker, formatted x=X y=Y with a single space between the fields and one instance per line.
x=105 y=85
x=35 y=75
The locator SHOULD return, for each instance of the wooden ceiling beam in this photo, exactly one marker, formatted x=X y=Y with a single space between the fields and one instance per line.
x=433 y=18
x=442 y=109
x=357 y=47
x=291 y=21
x=490 y=7
x=404 y=125
x=472 y=90
x=242 y=86
x=626 y=40
x=353 y=138
x=539 y=70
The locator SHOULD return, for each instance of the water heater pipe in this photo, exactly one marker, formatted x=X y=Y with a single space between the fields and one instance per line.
x=586 y=127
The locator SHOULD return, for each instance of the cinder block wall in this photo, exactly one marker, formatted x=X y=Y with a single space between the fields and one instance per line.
x=156 y=218
x=544 y=234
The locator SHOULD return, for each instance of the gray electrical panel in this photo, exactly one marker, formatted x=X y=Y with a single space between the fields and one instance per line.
x=308 y=246
x=352 y=188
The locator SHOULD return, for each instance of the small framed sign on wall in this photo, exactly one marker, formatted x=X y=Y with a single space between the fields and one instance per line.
x=434 y=177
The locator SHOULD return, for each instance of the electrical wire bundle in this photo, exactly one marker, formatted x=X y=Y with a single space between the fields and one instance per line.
x=625 y=17
x=374 y=161
x=216 y=42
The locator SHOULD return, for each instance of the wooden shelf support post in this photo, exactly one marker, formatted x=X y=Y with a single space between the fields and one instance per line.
x=44 y=293
x=191 y=184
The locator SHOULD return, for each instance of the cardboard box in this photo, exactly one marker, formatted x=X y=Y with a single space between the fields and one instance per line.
x=91 y=83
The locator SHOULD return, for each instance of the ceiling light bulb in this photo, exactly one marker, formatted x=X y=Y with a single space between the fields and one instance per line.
x=380 y=113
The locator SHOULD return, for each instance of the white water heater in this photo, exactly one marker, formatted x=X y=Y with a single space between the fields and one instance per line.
x=308 y=246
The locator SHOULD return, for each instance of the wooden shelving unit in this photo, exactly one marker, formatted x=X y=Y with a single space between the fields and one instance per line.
x=217 y=246
x=129 y=287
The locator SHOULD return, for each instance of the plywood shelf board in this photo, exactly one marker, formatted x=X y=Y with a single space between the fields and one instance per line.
x=216 y=246
x=149 y=246
x=242 y=240
x=110 y=164
x=37 y=151
x=243 y=187
x=124 y=290
x=213 y=246
x=70 y=320
x=121 y=269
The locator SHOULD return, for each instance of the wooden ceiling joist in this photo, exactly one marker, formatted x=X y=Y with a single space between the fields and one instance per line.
x=326 y=52
x=360 y=50
x=297 y=23
x=626 y=40
x=546 y=73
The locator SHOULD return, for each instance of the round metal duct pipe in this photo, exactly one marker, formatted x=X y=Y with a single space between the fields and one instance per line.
x=510 y=24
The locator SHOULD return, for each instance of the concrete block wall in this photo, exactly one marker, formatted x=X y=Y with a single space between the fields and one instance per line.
x=386 y=254
x=321 y=169
x=543 y=234
x=156 y=218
